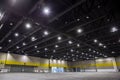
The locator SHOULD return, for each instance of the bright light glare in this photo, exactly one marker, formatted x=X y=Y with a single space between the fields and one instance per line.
x=95 y=41
x=16 y=34
x=59 y=38
x=28 y=25
x=70 y=42
x=46 y=10
x=79 y=30
x=100 y=44
x=46 y=33
x=114 y=29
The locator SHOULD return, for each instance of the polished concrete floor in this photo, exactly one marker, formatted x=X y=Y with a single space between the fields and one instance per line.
x=61 y=76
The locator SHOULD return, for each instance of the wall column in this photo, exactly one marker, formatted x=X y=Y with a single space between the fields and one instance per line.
x=115 y=65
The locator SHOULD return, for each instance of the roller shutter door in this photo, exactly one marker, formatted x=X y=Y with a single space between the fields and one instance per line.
x=28 y=69
x=16 y=69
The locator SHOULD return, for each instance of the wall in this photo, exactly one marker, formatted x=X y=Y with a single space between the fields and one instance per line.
x=106 y=64
x=58 y=63
x=39 y=64
x=118 y=62
x=13 y=59
x=99 y=65
x=2 y=60
x=83 y=66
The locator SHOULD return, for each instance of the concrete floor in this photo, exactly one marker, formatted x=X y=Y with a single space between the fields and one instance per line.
x=60 y=76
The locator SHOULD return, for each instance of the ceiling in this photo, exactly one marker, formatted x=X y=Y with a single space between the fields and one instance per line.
x=60 y=29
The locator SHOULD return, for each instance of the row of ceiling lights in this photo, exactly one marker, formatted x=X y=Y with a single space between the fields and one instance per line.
x=114 y=29
x=100 y=44
x=28 y=26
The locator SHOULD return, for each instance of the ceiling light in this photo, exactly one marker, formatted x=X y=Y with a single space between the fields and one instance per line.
x=72 y=54
x=73 y=60
x=97 y=52
x=78 y=45
x=77 y=51
x=104 y=46
x=113 y=52
x=100 y=53
x=89 y=49
x=76 y=55
x=79 y=30
x=17 y=47
x=35 y=46
x=56 y=46
x=38 y=51
x=46 y=10
x=59 y=38
x=114 y=29
x=46 y=49
x=54 y=51
x=78 y=19
x=82 y=53
x=9 y=40
x=0 y=47
x=94 y=51
x=16 y=34
x=46 y=33
x=70 y=42
x=98 y=6
x=33 y=38
x=100 y=44
x=71 y=50
x=87 y=17
x=22 y=51
x=24 y=44
x=95 y=40
x=28 y=25
x=11 y=24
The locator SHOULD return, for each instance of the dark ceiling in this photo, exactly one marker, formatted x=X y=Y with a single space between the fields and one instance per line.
x=87 y=29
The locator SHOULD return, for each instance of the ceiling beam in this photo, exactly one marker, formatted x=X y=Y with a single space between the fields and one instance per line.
x=67 y=10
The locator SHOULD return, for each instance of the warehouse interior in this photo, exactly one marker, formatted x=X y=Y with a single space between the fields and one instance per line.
x=46 y=39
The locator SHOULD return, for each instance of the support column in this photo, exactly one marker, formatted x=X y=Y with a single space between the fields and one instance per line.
x=115 y=65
